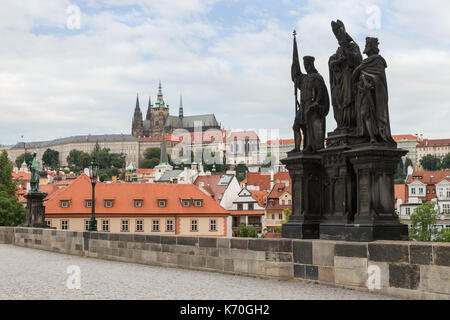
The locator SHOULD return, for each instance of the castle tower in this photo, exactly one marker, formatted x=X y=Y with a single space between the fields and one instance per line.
x=137 y=126
x=159 y=114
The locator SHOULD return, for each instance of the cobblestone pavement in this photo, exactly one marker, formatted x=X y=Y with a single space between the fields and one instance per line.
x=35 y=274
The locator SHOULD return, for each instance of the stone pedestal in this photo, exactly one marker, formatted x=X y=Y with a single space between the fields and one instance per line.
x=373 y=216
x=35 y=211
x=306 y=175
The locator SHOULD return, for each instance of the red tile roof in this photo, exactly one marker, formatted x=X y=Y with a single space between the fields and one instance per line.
x=209 y=184
x=434 y=143
x=124 y=194
x=280 y=142
x=260 y=197
x=400 y=192
x=398 y=137
x=22 y=176
x=247 y=212
x=263 y=179
x=429 y=177
x=277 y=191
x=145 y=171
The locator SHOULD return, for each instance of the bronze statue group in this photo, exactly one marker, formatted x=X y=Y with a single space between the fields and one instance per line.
x=359 y=94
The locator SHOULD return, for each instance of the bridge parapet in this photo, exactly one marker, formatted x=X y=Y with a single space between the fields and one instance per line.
x=397 y=268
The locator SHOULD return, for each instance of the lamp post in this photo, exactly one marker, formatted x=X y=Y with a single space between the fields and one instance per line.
x=93 y=173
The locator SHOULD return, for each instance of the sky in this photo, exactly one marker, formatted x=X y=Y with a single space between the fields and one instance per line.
x=74 y=67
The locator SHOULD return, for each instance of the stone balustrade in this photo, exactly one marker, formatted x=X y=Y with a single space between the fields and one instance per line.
x=396 y=268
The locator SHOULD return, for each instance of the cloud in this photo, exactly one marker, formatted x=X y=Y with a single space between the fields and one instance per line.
x=57 y=82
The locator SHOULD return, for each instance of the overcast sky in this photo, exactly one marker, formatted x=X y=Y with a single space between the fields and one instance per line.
x=227 y=57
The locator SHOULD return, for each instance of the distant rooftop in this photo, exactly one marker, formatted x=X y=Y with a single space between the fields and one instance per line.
x=75 y=139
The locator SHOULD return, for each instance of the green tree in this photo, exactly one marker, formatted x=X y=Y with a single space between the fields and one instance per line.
x=12 y=212
x=247 y=232
x=444 y=235
x=446 y=162
x=151 y=153
x=6 y=168
x=430 y=163
x=408 y=163
x=28 y=158
x=149 y=163
x=151 y=159
x=78 y=160
x=118 y=160
x=423 y=223
x=50 y=158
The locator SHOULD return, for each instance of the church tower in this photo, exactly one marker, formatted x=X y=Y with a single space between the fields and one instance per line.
x=180 y=112
x=159 y=114
x=137 y=126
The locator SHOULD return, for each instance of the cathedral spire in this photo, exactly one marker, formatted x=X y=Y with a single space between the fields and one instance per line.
x=160 y=100
x=180 y=114
x=149 y=110
x=137 y=126
x=137 y=102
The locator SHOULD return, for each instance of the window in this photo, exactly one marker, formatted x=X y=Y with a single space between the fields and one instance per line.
x=86 y=225
x=283 y=202
x=408 y=211
x=428 y=191
x=49 y=223
x=289 y=202
x=105 y=225
x=185 y=203
x=198 y=203
x=125 y=225
x=194 y=225
x=155 y=225
x=65 y=203
x=88 y=203
x=446 y=208
x=212 y=225
x=138 y=203
x=420 y=190
x=413 y=190
x=64 y=224
x=273 y=217
x=109 y=203
x=280 y=216
x=433 y=191
x=169 y=225
x=250 y=206
x=240 y=207
x=448 y=193
x=139 y=225
x=161 y=203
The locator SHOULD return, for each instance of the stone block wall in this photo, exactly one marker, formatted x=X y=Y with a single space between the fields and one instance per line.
x=401 y=269
x=6 y=235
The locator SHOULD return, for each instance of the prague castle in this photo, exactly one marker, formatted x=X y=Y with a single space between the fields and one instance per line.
x=158 y=119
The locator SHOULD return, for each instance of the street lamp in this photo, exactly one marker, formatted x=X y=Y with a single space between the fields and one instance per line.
x=93 y=174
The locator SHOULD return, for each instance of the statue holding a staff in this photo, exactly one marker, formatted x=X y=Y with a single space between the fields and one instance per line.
x=314 y=104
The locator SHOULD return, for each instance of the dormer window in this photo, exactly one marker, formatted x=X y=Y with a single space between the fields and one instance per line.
x=198 y=203
x=138 y=203
x=65 y=203
x=109 y=203
x=185 y=203
x=88 y=203
x=162 y=203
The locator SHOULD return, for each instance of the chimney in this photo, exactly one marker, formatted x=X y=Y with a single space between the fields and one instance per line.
x=271 y=179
